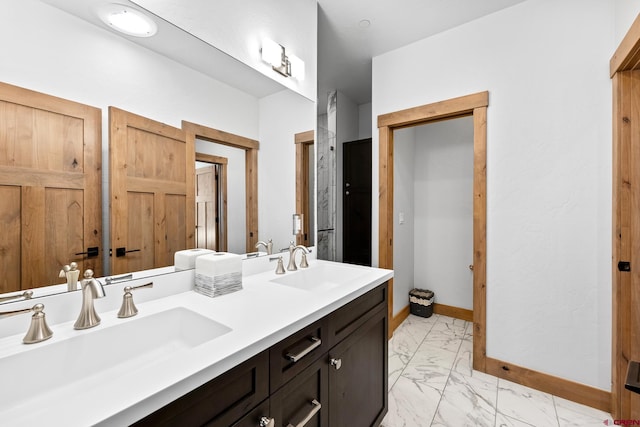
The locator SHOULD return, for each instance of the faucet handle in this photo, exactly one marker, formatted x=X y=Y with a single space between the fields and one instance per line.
x=38 y=330
x=303 y=261
x=128 y=308
x=280 y=268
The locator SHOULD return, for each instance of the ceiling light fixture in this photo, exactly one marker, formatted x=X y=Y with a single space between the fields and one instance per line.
x=287 y=65
x=127 y=20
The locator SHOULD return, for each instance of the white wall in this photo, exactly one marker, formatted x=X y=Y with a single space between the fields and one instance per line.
x=403 y=203
x=364 y=121
x=282 y=115
x=443 y=209
x=545 y=65
x=236 y=192
x=626 y=12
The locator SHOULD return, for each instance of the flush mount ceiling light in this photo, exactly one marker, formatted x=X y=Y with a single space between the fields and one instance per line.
x=127 y=20
x=287 y=65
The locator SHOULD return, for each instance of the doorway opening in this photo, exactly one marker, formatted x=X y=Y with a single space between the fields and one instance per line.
x=250 y=175
x=625 y=75
x=305 y=186
x=474 y=105
x=211 y=202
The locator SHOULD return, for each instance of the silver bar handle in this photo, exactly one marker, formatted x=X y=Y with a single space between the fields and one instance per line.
x=315 y=343
x=316 y=407
x=115 y=279
x=25 y=295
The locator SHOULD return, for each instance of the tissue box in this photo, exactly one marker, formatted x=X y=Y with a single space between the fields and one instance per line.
x=218 y=274
x=186 y=260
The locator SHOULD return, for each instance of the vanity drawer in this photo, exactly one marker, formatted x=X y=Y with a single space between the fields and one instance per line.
x=220 y=402
x=305 y=397
x=347 y=319
x=293 y=354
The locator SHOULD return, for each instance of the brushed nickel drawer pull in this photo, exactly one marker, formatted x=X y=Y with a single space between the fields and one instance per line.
x=316 y=407
x=315 y=343
x=267 y=422
x=336 y=363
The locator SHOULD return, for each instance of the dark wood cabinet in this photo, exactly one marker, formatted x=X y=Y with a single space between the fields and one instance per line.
x=358 y=394
x=330 y=373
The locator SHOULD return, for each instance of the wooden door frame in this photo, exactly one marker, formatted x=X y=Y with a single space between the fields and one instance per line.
x=250 y=147
x=303 y=141
x=474 y=105
x=624 y=70
x=222 y=162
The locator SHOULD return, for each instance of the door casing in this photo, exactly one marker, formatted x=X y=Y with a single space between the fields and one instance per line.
x=471 y=105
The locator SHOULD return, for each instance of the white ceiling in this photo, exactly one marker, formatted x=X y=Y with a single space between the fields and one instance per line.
x=345 y=48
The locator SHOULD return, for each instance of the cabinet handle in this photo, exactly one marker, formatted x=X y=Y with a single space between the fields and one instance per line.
x=316 y=407
x=336 y=363
x=267 y=422
x=315 y=343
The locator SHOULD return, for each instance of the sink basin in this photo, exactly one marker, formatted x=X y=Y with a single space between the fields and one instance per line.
x=321 y=277
x=104 y=353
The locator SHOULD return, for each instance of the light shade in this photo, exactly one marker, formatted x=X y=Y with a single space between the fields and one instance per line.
x=272 y=52
x=297 y=67
x=127 y=20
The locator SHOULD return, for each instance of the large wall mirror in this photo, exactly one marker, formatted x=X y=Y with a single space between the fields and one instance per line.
x=58 y=48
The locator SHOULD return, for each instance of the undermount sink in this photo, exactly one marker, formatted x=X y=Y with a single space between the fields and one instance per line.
x=102 y=353
x=321 y=277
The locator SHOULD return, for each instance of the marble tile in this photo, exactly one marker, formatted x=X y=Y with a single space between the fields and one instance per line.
x=411 y=404
x=467 y=401
x=450 y=326
x=432 y=383
x=430 y=365
x=505 y=421
x=444 y=339
x=526 y=404
x=575 y=414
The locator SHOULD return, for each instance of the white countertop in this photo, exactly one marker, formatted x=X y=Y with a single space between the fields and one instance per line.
x=260 y=315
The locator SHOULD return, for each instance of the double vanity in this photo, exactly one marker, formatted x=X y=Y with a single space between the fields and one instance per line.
x=305 y=348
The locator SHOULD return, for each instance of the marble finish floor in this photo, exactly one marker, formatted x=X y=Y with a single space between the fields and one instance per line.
x=431 y=383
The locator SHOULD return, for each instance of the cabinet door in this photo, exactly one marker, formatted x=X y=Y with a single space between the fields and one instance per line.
x=358 y=375
x=303 y=400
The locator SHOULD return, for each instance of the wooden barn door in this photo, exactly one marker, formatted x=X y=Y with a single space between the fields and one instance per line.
x=50 y=193
x=152 y=175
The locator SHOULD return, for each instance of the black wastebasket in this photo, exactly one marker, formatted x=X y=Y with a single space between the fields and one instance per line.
x=421 y=302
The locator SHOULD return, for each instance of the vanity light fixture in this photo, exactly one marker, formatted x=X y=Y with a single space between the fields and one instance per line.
x=287 y=65
x=127 y=20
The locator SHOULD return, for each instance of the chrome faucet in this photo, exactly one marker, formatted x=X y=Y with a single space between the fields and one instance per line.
x=268 y=246
x=292 y=257
x=91 y=289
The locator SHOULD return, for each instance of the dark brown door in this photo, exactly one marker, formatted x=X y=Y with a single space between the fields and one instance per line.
x=356 y=196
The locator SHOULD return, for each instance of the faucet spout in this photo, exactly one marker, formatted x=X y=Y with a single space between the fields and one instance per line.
x=267 y=245
x=292 y=256
x=91 y=289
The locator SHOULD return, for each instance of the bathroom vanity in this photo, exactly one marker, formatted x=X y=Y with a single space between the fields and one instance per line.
x=304 y=348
